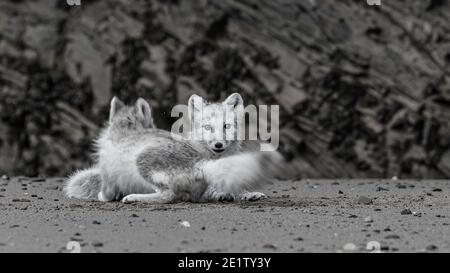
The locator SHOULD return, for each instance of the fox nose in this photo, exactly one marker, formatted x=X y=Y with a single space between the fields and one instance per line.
x=218 y=145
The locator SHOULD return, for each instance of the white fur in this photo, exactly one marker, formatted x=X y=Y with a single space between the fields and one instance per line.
x=117 y=163
x=156 y=197
x=239 y=173
x=101 y=197
x=226 y=179
x=118 y=149
x=208 y=121
x=76 y=186
x=161 y=178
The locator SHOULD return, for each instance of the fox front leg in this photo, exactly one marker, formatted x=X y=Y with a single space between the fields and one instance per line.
x=102 y=198
x=252 y=196
x=154 y=198
x=212 y=195
x=107 y=194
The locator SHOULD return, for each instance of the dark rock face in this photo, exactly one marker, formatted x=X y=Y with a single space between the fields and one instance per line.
x=364 y=91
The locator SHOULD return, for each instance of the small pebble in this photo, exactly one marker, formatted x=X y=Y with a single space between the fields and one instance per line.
x=406 y=212
x=349 y=247
x=21 y=200
x=392 y=236
x=270 y=246
x=368 y=219
x=364 y=200
x=185 y=224
x=384 y=248
x=38 y=179
x=76 y=239
x=97 y=244
x=382 y=189
x=5 y=177
x=431 y=247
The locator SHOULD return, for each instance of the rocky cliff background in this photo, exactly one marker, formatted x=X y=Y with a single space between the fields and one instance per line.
x=364 y=90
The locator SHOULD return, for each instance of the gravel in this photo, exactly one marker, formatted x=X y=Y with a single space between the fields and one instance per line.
x=364 y=200
x=310 y=220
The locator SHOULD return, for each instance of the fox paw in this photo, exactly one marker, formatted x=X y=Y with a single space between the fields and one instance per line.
x=101 y=197
x=252 y=196
x=223 y=197
x=131 y=198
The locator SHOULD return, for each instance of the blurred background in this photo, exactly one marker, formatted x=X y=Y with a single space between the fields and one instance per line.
x=364 y=91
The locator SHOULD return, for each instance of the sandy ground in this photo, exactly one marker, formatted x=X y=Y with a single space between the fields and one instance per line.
x=298 y=216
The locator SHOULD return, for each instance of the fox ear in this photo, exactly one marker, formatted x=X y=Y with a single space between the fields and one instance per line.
x=195 y=103
x=234 y=100
x=116 y=105
x=144 y=112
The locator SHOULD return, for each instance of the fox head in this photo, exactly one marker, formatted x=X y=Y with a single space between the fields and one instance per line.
x=216 y=124
x=130 y=118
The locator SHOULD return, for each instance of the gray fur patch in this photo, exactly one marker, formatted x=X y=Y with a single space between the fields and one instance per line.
x=127 y=122
x=171 y=157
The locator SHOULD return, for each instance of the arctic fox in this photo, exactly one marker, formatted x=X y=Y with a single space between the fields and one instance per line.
x=217 y=125
x=86 y=183
x=139 y=163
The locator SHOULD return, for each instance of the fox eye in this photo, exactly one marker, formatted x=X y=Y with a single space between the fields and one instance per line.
x=207 y=127
x=227 y=126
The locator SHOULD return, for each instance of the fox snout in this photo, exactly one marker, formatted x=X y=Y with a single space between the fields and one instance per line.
x=218 y=146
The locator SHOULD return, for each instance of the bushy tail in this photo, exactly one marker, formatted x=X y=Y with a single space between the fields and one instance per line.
x=84 y=184
x=243 y=172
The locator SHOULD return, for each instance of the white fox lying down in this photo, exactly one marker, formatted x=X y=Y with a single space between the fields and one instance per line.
x=138 y=163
